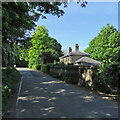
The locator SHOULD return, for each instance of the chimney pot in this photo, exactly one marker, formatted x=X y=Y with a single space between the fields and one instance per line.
x=76 y=48
x=69 y=50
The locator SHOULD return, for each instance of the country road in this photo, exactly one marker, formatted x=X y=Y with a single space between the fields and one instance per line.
x=42 y=96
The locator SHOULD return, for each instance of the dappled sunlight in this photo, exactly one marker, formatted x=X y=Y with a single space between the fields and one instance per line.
x=100 y=114
x=23 y=110
x=108 y=114
x=88 y=98
x=32 y=98
x=49 y=98
x=72 y=92
x=23 y=98
x=53 y=98
x=47 y=109
x=44 y=77
x=36 y=88
x=50 y=82
x=26 y=92
x=36 y=101
x=60 y=91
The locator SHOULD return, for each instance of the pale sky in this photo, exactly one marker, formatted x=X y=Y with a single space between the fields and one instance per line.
x=81 y=25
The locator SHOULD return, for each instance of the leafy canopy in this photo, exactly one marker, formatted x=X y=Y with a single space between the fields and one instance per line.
x=44 y=49
x=18 y=19
x=106 y=46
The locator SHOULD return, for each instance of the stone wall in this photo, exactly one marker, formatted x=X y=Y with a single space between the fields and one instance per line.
x=81 y=75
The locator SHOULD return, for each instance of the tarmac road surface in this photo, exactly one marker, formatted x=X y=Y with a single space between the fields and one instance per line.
x=42 y=96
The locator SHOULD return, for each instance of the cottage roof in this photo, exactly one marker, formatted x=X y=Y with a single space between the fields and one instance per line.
x=88 y=61
x=64 y=56
x=78 y=53
x=75 y=53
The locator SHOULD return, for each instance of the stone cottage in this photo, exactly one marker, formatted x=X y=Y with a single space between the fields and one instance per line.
x=73 y=56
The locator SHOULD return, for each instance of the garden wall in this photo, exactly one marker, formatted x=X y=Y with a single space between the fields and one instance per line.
x=81 y=75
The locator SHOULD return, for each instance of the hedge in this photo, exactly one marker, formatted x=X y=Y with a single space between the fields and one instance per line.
x=10 y=78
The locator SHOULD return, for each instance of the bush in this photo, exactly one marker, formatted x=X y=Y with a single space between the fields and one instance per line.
x=70 y=64
x=44 y=68
x=21 y=63
x=30 y=65
x=109 y=73
x=34 y=67
x=106 y=80
x=50 y=64
x=10 y=78
x=38 y=67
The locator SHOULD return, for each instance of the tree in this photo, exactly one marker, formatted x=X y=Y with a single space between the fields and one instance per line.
x=106 y=49
x=18 y=18
x=44 y=49
x=106 y=46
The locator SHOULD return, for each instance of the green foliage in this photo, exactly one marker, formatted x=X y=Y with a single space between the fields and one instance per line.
x=109 y=74
x=70 y=64
x=44 y=49
x=8 y=56
x=44 y=68
x=50 y=64
x=106 y=46
x=14 y=27
x=10 y=78
x=19 y=19
x=36 y=67
x=21 y=55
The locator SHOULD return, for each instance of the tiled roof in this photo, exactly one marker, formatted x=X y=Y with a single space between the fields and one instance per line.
x=79 y=53
x=64 y=56
x=88 y=60
x=75 y=53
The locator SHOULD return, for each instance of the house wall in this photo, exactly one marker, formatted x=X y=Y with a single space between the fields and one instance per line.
x=61 y=60
x=71 y=59
x=66 y=60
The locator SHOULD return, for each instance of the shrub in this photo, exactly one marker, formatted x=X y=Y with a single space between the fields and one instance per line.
x=38 y=67
x=30 y=65
x=70 y=64
x=106 y=80
x=21 y=63
x=109 y=74
x=10 y=78
x=44 y=68
x=34 y=67
x=50 y=64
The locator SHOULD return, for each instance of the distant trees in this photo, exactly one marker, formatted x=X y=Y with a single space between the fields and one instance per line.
x=106 y=46
x=44 y=49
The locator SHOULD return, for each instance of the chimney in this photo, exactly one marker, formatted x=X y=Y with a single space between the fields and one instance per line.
x=76 y=48
x=69 y=50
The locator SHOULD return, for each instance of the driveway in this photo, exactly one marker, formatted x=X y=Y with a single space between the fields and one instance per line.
x=42 y=96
